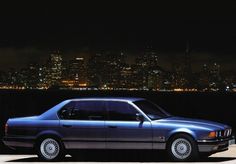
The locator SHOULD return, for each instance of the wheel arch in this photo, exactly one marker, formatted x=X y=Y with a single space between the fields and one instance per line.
x=47 y=134
x=185 y=131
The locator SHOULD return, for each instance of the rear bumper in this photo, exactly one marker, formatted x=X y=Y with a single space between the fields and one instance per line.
x=212 y=146
x=15 y=142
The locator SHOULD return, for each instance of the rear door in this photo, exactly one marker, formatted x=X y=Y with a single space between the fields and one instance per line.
x=124 y=131
x=82 y=125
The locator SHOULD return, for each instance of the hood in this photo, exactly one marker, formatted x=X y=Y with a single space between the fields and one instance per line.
x=196 y=122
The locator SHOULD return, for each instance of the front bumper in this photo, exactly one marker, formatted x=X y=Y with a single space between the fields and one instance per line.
x=212 y=146
x=15 y=142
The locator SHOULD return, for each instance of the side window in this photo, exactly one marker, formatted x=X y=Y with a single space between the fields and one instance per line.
x=66 y=111
x=83 y=110
x=88 y=110
x=121 y=111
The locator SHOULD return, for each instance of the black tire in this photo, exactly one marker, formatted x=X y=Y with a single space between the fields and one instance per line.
x=182 y=147
x=50 y=149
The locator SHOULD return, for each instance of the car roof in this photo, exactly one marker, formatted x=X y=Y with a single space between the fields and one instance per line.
x=132 y=99
x=52 y=113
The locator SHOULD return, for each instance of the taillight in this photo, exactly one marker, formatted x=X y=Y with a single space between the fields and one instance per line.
x=6 y=128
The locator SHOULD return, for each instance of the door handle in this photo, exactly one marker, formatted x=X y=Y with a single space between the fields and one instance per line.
x=66 y=126
x=113 y=127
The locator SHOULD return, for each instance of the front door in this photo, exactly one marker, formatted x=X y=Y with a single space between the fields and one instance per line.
x=124 y=131
x=82 y=125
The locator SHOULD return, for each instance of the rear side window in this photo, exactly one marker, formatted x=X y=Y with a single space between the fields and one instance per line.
x=83 y=110
x=121 y=111
x=66 y=111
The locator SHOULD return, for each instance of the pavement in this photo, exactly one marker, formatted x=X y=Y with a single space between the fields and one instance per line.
x=228 y=157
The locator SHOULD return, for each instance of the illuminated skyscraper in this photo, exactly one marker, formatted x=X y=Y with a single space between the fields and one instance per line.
x=126 y=77
x=42 y=74
x=105 y=69
x=147 y=64
x=32 y=76
x=188 y=67
x=55 y=68
x=215 y=77
x=77 y=70
x=95 y=70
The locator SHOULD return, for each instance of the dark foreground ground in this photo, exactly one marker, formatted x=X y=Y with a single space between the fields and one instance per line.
x=212 y=106
x=228 y=157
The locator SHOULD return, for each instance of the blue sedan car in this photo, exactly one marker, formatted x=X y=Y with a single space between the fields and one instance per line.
x=115 y=123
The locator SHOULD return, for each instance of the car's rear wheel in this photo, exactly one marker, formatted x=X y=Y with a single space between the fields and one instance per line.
x=50 y=149
x=182 y=148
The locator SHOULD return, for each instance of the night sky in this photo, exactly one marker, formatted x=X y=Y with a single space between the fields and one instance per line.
x=30 y=31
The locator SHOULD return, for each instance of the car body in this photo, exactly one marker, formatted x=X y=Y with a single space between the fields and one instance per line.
x=115 y=123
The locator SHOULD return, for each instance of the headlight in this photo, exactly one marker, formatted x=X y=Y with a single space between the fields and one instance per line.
x=212 y=134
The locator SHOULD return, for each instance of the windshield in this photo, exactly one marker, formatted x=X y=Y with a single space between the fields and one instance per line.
x=152 y=110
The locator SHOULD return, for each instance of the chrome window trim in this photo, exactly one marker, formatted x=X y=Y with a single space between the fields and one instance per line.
x=115 y=100
x=137 y=108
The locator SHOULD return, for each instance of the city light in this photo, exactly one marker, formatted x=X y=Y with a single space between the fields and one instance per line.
x=83 y=85
x=112 y=72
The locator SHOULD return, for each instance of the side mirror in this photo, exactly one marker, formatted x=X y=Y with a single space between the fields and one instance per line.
x=139 y=117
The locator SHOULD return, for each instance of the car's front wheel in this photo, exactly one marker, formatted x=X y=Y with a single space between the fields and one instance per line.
x=182 y=148
x=49 y=149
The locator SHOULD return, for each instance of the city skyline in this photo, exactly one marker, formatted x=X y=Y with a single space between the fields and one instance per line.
x=194 y=44
x=19 y=57
x=111 y=71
